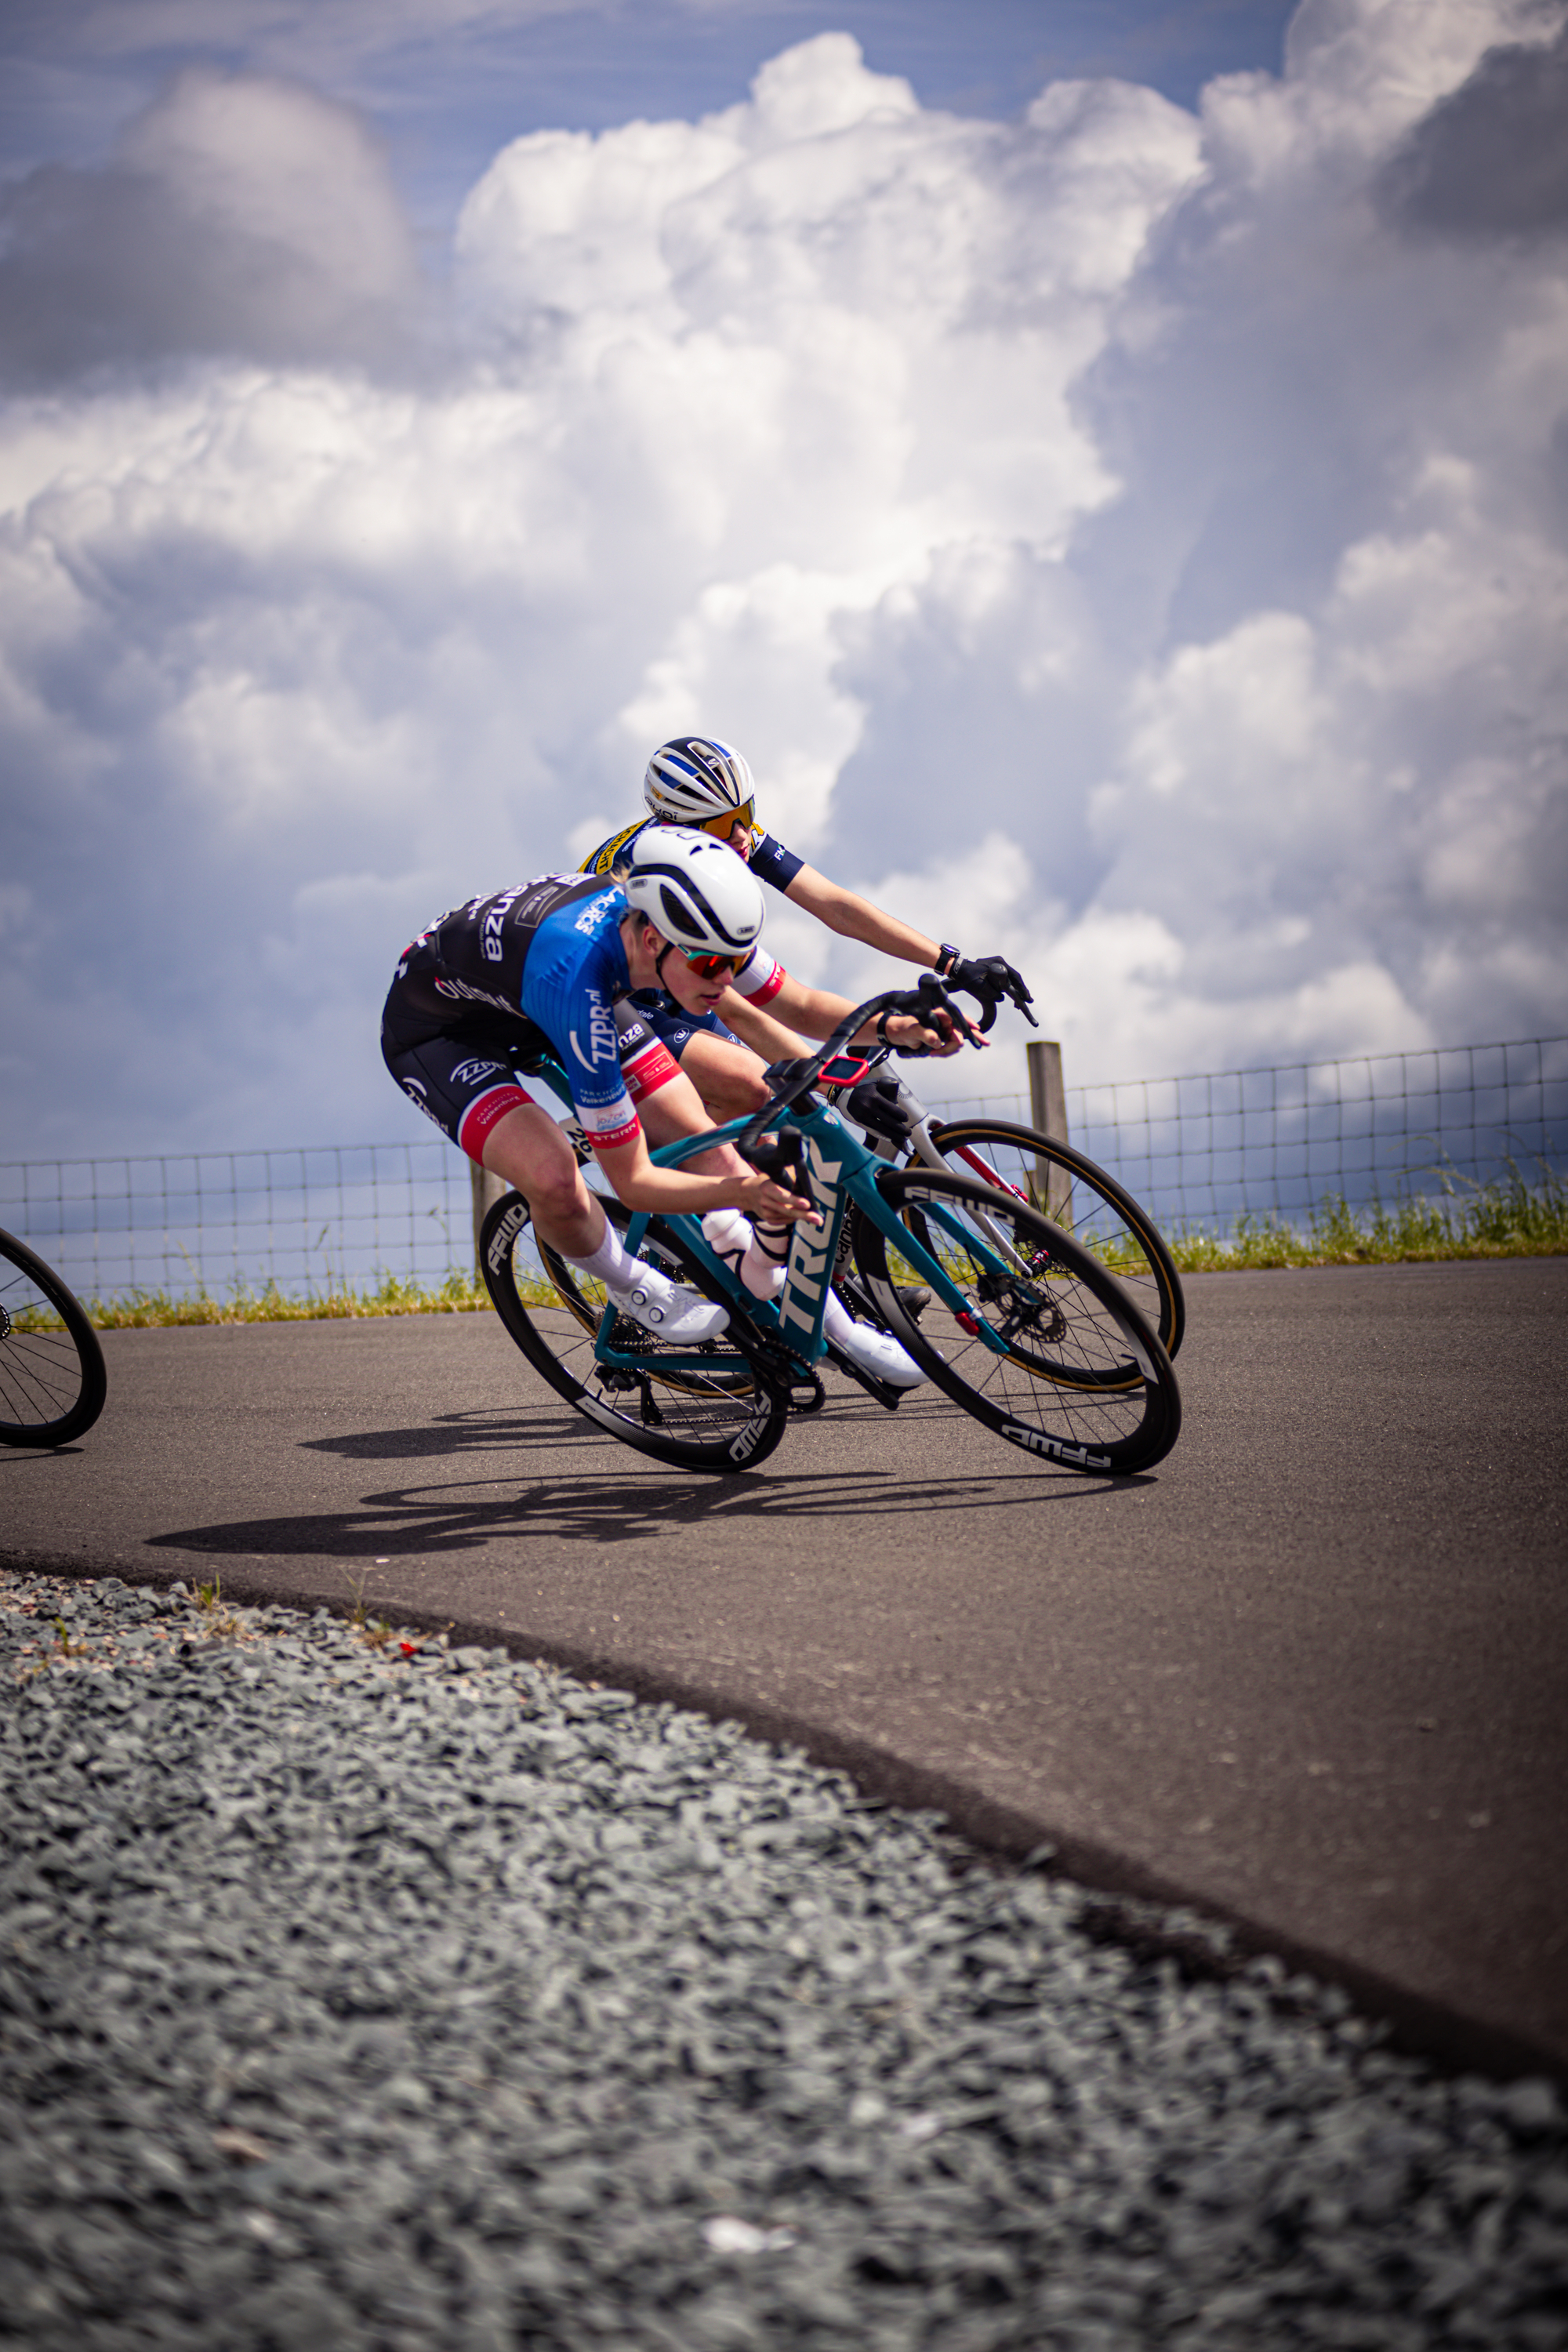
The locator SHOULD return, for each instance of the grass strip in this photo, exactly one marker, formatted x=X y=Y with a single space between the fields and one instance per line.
x=458 y=1293
x=1508 y=1218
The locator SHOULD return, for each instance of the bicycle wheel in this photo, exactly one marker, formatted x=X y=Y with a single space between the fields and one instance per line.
x=1082 y=1379
x=1086 y=1202
x=723 y=1418
x=52 y=1376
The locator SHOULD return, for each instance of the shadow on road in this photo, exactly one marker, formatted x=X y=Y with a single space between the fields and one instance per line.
x=478 y=1431
x=486 y=1429
x=470 y=1515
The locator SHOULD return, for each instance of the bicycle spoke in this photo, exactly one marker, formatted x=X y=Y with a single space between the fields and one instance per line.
x=1083 y=1201
x=702 y=1407
x=52 y=1380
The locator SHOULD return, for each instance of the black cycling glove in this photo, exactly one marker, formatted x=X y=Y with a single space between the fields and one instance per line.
x=990 y=978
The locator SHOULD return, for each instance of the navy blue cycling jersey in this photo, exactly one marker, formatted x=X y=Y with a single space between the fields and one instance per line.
x=769 y=860
x=545 y=961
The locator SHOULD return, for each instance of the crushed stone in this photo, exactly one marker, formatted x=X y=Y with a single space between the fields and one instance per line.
x=357 y=1991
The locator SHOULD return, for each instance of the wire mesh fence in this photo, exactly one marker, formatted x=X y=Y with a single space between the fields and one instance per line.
x=1199 y=1152
x=305 y=1220
x=1202 y=1150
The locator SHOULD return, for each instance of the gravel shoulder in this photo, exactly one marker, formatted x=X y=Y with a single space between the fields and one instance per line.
x=363 y=1990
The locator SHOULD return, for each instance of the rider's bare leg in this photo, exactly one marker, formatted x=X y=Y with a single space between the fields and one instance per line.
x=676 y=1109
x=527 y=1148
x=728 y=1076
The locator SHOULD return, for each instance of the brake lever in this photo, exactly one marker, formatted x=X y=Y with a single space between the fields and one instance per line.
x=780 y=1156
x=934 y=998
x=990 y=994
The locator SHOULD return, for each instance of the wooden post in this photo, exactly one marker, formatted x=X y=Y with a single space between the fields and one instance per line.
x=1049 y=1111
x=488 y=1190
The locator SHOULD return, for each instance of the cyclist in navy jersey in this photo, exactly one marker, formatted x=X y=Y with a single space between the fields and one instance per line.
x=695 y=780
x=551 y=967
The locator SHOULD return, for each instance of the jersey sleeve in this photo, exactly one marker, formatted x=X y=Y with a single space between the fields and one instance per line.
x=759 y=978
x=575 y=973
x=600 y=860
x=772 y=863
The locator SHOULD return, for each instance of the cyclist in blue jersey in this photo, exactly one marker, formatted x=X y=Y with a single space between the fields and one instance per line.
x=695 y=780
x=551 y=967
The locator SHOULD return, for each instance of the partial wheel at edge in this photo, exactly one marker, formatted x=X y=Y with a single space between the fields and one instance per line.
x=52 y=1383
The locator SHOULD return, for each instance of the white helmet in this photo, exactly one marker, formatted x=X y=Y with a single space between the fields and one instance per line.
x=695 y=778
x=692 y=888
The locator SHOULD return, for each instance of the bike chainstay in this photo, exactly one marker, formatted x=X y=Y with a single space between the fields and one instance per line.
x=630 y=1355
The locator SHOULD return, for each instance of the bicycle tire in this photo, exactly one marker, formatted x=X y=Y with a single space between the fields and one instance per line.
x=1083 y=1380
x=724 y=1422
x=53 y=1381
x=1085 y=1201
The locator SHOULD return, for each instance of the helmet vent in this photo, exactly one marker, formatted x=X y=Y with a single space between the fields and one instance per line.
x=676 y=918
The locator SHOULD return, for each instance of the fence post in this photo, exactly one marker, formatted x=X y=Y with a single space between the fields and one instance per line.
x=1049 y=1110
x=488 y=1190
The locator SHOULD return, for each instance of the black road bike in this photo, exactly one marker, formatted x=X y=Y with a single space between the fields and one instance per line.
x=52 y=1376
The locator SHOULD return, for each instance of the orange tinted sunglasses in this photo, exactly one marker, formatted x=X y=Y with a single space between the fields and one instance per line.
x=724 y=824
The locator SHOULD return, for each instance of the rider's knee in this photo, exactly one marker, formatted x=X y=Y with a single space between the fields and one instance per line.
x=736 y=1091
x=554 y=1189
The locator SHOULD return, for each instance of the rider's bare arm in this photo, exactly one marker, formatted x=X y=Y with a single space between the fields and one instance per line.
x=817 y=1013
x=759 y=1029
x=728 y=1183
x=854 y=918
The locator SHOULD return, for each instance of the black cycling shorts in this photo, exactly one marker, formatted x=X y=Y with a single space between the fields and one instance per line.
x=470 y=1072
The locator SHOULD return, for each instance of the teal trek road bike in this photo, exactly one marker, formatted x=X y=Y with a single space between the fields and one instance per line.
x=1019 y=1324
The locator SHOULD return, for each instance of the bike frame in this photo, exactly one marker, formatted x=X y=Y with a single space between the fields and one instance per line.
x=993 y=1284
x=840 y=1170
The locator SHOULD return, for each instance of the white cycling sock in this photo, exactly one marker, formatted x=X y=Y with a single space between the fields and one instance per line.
x=763 y=1270
x=611 y=1262
x=746 y=1251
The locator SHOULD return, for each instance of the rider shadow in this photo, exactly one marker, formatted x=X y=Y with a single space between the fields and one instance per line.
x=452 y=1434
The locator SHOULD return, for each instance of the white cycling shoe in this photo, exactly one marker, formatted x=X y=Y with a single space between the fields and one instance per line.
x=671 y=1310
x=877 y=1352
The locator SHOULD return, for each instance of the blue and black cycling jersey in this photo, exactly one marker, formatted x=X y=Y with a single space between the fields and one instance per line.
x=541 y=968
x=772 y=863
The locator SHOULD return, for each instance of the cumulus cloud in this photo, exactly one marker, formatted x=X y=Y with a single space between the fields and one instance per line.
x=1492 y=159
x=1131 y=540
x=242 y=215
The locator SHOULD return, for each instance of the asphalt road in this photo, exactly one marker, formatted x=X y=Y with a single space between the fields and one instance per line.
x=1308 y=1676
